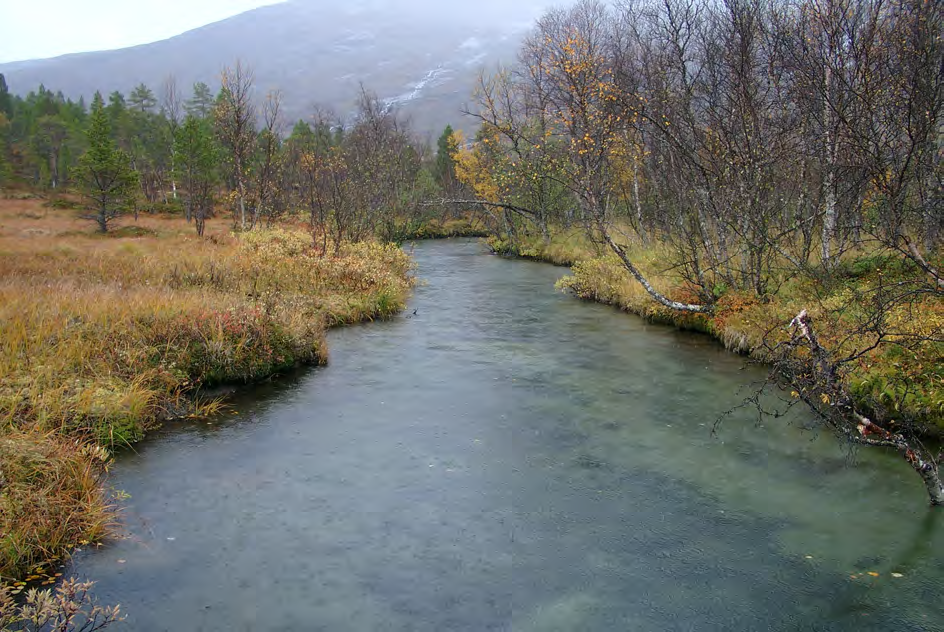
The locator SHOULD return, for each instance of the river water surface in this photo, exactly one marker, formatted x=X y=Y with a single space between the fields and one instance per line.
x=513 y=459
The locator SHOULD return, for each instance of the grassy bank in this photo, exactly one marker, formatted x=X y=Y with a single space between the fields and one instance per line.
x=564 y=248
x=103 y=337
x=909 y=383
x=450 y=228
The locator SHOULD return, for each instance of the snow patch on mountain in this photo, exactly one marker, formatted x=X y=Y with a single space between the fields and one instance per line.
x=433 y=77
x=473 y=43
x=476 y=60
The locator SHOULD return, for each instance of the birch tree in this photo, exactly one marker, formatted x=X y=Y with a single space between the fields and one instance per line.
x=236 y=126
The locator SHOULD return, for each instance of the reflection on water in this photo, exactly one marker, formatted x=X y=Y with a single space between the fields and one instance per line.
x=513 y=459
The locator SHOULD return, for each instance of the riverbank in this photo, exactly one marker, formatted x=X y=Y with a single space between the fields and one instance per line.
x=106 y=336
x=469 y=225
x=543 y=461
x=910 y=383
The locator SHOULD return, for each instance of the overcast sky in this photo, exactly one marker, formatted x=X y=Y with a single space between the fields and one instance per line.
x=32 y=29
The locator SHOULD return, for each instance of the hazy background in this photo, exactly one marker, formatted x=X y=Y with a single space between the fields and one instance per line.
x=33 y=30
x=422 y=56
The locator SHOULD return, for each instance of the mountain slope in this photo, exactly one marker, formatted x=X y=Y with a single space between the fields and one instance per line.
x=422 y=55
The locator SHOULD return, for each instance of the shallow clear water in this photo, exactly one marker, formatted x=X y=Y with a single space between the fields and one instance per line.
x=514 y=459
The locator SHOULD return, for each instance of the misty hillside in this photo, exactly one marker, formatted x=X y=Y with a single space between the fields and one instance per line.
x=422 y=55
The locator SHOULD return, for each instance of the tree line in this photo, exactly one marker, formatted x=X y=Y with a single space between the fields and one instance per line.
x=745 y=133
x=206 y=153
x=756 y=141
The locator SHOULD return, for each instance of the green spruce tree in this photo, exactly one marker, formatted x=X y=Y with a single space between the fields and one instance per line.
x=197 y=158
x=142 y=99
x=444 y=170
x=108 y=181
x=5 y=171
x=6 y=100
x=201 y=104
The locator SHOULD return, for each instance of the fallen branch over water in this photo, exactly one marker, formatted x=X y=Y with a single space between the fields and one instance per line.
x=816 y=378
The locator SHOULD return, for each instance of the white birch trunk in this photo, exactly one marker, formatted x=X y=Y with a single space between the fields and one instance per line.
x=829 y=180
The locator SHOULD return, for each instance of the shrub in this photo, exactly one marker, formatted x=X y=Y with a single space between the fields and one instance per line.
x=67 y=608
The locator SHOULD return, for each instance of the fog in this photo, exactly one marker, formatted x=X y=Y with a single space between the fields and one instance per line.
x=58 y=27
x=420 y=55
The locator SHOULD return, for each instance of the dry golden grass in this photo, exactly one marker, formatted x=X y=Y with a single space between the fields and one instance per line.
x=565 y=247
x=104 y=336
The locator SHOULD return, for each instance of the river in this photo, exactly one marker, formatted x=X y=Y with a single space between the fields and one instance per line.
x=510 y=458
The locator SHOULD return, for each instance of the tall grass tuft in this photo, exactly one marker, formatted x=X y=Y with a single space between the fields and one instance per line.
x=53 y=499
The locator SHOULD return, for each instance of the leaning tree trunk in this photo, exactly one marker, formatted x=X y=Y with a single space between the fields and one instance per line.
x=927 y=468
x=633 y=270
x=817 y=380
